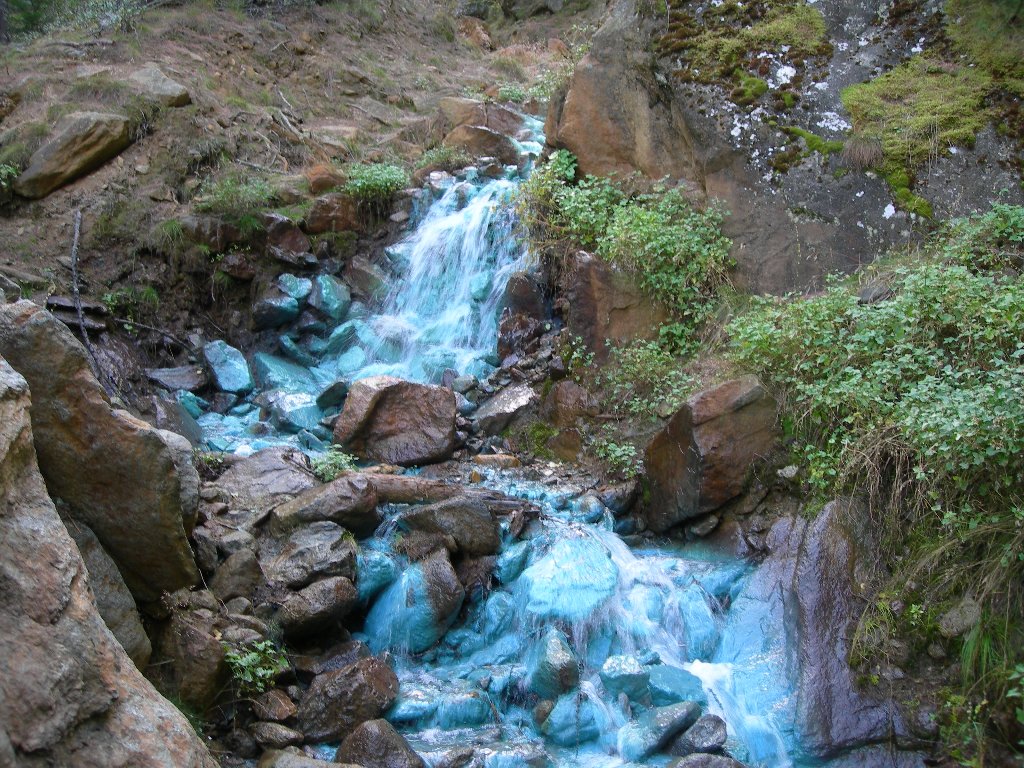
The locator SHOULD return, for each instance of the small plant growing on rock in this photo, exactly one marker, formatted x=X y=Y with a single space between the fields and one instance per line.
x=255 y=666
x=328 y=466
x=374 y=185
x=445 y=158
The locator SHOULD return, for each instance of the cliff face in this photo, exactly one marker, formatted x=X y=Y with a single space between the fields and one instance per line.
x=829 y=132
x=76 y=699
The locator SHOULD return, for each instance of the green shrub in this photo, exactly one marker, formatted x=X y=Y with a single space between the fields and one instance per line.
x=376 y=184
x=449 y=159
x=643 y=380
x=621 y=458
x=512 y=92
x=255 y=666
x=234 y=195
x=328 y=466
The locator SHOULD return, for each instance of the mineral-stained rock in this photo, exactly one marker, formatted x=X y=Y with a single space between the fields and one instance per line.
x=498 y=412
x=349 y=501
x=69 y=695
x=703 y=457
x=336 y=702
x=82 y=142
x=483 y=142
x=134 y=486
x=314 y=551
x=398 y=422
x=376 y=744
x=228 y=366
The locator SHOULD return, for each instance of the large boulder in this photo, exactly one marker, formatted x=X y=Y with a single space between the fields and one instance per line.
x=502 y=409
x=69 y=694
x=605 y=304
x=337 y=701
x=398 y=422
x=266 y=479
x=133 y=485
x=416 y=610
x=315 y=551
x=483 y=142
x=113 y=600
x=467 y=520
x=316 y=606
x=153 y=84
x=655 y=728
x=190 y=647
x=458 y=111
x=555 y=669
x=82 y=142
x=376 y=744
x=704 y=456
x=349 y=501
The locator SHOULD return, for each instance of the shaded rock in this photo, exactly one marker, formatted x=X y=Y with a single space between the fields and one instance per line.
x=566 y=402
x=707 y=735
x=215 y=234
x=188 y=377
x=190 y=643
x=266 y=479
x=272 y=372
x=556 y=670
x=313 y=552
x=516 y=331
x=349 y=501
x=90 y=707
x=91 y=454
x=572 y=721
x=284 y=239
x=316 y=606
x=417 y=609
x=705 y=761
x=333 y=394
x=153 y=84
x=274 y=705
x=291 y=758
x=483 y=142
x=654 y=729
x=365 y=277
x=82 y=142
x=959 y=619
x=704 y=456
x=336 y=702
x=376 y=744
x=113 y=600
x=468 y=521
x=274 y=735
x=228 y=366
x=173 y=416
x=524 y=296
x=273 y=311
x=334 y=212
x=398 y=422
x=238 y=576
x=498 y=412
x=605 y=304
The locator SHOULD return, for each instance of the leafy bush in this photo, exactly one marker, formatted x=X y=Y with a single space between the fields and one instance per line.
x=328 y=466
x=622 y=458
x=255 y=666
x=512 y=92
x=643 y=380
x=375 y=185
x=234 y=195
x=449 y=159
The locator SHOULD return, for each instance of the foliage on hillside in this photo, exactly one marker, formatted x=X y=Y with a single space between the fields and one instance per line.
x=915 y=401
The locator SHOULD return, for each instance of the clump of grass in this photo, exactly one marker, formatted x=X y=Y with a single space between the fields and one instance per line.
x=991 y=33
x=328 y=466
x=19 y=144
x=863 y=151
x=444 y=158
x=234 y=195
x=814 y=142
x=376 y=184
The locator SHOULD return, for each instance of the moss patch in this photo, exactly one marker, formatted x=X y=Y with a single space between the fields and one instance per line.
x=992 y=33
x=814 y=142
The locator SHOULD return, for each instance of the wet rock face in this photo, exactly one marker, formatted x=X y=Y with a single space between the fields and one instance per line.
x=82 y=142
x=556 y=669
x=348 y=501
x=703 y=457
x=468 y=521
x=483 y=142
x=93 y=708
x=339 y=701
x=398 y=422
x=134 y=486
x=376 y=744
x=266 y=479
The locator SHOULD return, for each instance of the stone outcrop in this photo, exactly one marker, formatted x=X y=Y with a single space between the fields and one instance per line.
x=70 y=695
x=483 y=142
x=605 y=304
x=376 y=744
x=703 y=457
x=133 y=485
x=398 y=422
x=153 y=84
x=82 y=142
x=339 y=700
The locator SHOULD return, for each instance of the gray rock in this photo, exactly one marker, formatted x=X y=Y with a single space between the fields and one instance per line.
x=153 y=84
x=707 y=735
x=269 y=477
x=376 y=744
x=624 y=675
x=498 y=412
x=555 y=670
x=468 y=521
x=705 y=761
x=336 y=702
x=961 y=618
x=274 y=735
x=187 y=377
x=349 y=501
x=238 y=576
x=313 y=552
x=654 y=729
x=316 y=606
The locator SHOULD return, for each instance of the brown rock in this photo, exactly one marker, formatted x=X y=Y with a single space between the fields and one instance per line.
x=376 y=744
x=267 y=478
x=317 y=606
x=483 y=142
x=274 y=705
x=82 y=142
x=292 y=758
x=398 y=422
x=566 y=402
x=349 y=501
x=475 y=31
x=237 y=576
x=365 y=277
x=285 y=235
x=154 y=85
x=274 y=735
x=134 y=486
x=191 y=644
x=210 y=231
x=469 y=521
x=334 y=212
x=69 y=695
x=703 y=457
x=606 y=304
x=323 y=178
x=338 y=701
x=313 y=552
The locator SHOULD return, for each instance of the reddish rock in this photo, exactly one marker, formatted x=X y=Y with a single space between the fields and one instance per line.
x=566 y=402
x=703 y=457
x=467 y=520
x=274 y=705
x=483 y=142
x=376 y=744
x=323 y=178
x=284 y=235
x=191 y=644
x=334 y=212
x=210 y=231
x=398 y=422
x=516 y=331
x=605 y=303
x=349 y=501
x=336 y=702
